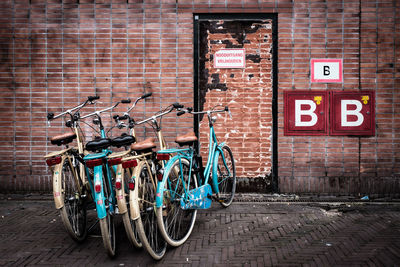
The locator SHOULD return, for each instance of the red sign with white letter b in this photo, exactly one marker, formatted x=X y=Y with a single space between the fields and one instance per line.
x=349 y=113
x=352 y=113
x=306 y=112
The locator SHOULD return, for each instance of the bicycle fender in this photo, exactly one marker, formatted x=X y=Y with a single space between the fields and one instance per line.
x=161 y=184
x=120 y=194
x=56 y=153
x=99 y=197
x=58 y=200
x=221 y=145
x=214 y=168
x=133 y=194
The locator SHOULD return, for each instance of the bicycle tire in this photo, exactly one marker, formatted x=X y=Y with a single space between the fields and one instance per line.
x=226 y=176
x=176 y=224
x=73 y=212
x=131 y=231
x=107 y=226
x=130 y=225
x=146 y=224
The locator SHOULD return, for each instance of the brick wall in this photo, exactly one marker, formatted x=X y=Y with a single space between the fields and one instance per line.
x=366 y=35
x=54 y=53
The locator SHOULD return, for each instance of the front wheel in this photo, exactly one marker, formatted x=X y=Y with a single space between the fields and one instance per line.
x=224 y=167
x=73 y=212
x=175 y=223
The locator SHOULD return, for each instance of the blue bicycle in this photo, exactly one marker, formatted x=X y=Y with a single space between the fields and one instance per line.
x=185 y=185
x=100 y=176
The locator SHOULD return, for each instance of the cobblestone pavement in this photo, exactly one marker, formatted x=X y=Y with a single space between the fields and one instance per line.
x=245 y=234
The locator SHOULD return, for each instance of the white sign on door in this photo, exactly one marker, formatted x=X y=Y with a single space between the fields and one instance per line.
x=230 y=58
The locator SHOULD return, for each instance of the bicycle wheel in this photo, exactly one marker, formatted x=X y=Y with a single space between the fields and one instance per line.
x=73 y=212
x=107 y=226
x=130 y=225
x=146 y=225
x=176 y=224
x=225 y=168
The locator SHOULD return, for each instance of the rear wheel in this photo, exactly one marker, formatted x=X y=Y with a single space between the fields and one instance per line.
x=226 y=176
x=146 y=225
x=73 y=213
x=130 y=225
x=107 y=226
x=175 y=223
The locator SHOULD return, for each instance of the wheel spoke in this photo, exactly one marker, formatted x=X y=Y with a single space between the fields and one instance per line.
x=176 y=224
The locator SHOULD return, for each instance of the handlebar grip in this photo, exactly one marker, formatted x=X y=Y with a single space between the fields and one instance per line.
x=50 y=116
x=116 y=117
x=146 y=95
x=177 y=105
x=125 y=101
x=180 y=113
x=226 y=108
x=92 y=98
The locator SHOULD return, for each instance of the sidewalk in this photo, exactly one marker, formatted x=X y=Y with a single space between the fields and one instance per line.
x=252 y=232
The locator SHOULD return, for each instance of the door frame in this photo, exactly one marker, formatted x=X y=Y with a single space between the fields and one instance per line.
x=197 y=17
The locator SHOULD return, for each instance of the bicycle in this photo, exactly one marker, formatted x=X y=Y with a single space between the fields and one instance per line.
x=122 y=177
x=103 y=192
x=70 y=186
x=178 y=194
x=143 y=184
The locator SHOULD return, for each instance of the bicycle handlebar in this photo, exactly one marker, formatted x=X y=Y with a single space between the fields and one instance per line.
x=137 y=100
x=166 y=111
x=208 y=112
x=90 y=99
x=97 y=113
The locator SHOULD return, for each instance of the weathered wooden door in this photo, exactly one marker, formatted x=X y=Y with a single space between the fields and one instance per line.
x=246 y=88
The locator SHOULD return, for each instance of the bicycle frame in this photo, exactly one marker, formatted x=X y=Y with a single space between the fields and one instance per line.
x=213 y=152
x=98 y=179
x=99 y=170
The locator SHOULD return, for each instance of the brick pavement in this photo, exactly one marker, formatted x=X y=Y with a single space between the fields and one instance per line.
x=245 y=234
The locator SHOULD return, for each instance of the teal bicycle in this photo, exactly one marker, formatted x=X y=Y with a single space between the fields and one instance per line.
x=100 y=174
x=186 y=186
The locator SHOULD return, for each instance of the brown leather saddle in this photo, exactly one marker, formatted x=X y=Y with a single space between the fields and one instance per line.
x=186 y=139
x=63 y=139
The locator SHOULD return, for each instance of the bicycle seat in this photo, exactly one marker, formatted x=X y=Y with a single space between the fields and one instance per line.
x=98 y=144
x=63 y=139
x=123 y=140
x=144 y=145
x=186 y=139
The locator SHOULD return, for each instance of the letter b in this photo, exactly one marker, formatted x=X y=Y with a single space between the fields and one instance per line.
x=356 y=112
x=308 y=112
x=327 y=71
